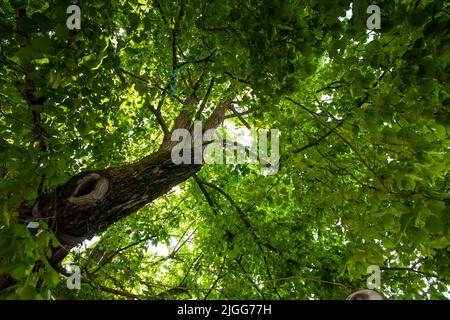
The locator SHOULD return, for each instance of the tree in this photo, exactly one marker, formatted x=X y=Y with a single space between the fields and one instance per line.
x=87 y=118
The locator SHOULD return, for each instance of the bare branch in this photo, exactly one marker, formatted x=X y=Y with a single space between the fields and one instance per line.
x=358 y=154
x=175 y=31
x=206 y=59
x=411 y=269
x=217 y=279
x=205 y=193
x=244 y=81
x=158 y=6
x=200 y=79
x=241 y=214
x=237 y=114
x=205 y=99
x=250 y=279
x=118 y=251
x=119 y=292
x=240 y=113
x=315 y=142
x=157 y=113
x=333 y=85
x=153 y=84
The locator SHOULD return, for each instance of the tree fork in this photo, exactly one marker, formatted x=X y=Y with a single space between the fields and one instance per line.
x=92 y=201
x=89 y=202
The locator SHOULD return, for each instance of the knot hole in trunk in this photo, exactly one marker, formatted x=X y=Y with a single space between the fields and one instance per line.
x=89 y=190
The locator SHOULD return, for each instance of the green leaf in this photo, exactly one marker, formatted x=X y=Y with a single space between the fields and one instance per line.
x=26 y=54
x=51 y=277
x=434 y=225
x=19 y=271
x=27 y=293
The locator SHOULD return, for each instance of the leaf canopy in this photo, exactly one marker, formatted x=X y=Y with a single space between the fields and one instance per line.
x=364 y=118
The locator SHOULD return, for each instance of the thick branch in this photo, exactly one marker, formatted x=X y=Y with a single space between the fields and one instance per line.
x=218 y=115
x=237 y=114
x=175 y=31
x=157 y=113
x=205 y=99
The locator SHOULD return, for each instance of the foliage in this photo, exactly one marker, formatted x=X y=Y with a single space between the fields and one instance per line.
x=20 y=253
x=364 y=120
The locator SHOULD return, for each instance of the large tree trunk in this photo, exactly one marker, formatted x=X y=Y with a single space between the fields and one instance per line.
x=92 y=201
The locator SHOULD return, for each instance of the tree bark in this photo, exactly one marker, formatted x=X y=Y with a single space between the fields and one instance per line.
x=90 y=202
